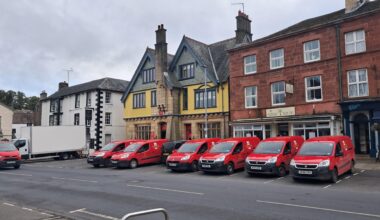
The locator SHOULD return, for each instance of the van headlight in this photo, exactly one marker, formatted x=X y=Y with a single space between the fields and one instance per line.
x=246 y=160
x=124 y=156
x=324 y=163
x=293 y=163
x=272 y=160
x=219 y=159
x=100 y=154
x=185 y=157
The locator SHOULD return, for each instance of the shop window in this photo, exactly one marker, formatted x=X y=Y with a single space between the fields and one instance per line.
x=213 y=130
x=310 y=130
x=143 y=132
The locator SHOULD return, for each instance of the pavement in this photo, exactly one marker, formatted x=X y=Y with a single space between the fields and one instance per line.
x=74 y=190
x=366 y=162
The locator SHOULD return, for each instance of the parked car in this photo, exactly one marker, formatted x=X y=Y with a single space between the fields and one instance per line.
x=168 y=148
x=324 y=158
x=187 y=156
x=9 y=155
x=273 y=155
x=228 y=155
x=102 y=157
x=139 y=153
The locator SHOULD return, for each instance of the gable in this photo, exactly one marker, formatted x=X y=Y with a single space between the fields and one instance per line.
x=139 y=84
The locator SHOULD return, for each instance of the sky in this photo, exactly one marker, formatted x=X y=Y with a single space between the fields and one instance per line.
x=41 y=39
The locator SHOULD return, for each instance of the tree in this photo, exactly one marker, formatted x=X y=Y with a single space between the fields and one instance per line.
x=18 y=100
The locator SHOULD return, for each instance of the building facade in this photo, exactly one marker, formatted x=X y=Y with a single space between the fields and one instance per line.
x=95 y=104
x=6 y=115
x=21 y=118
x=311 y=79
x=182 y=96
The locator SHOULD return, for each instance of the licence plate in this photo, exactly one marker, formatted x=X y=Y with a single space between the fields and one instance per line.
x=114 y=161
x=11 y=162
x=307 y=172
x=255 y=168
x=90 y=159
x=206 y=165
x=172 y=164
x=165 y=154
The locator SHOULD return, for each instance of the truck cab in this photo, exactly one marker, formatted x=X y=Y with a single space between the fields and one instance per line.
x=9 y=155
x=187 y=156
x=273 y=155
x=102 y=157
x=227 y=155
x=139 y=153
x=324 y=158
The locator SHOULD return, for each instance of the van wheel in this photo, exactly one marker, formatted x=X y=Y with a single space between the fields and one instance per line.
x=133 y=164
x=281 y=171
x=17 y=166
x=194 y=166
x=230 y=168
x=351 y=171
x=334 y=176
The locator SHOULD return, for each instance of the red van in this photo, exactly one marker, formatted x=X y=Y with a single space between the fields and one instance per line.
x=228 y=155
x=324 y=158
x=273 y=155
x=103 y=156
x=9 y=155
x=187 y=156
x=139 y=153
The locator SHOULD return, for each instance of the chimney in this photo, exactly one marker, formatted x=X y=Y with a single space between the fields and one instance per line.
x=62 y=85
x=161 y=49
x=243 y=28
x=353 y=5
x=43 y=95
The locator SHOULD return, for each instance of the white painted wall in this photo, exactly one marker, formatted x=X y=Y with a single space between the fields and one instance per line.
x=6 y=117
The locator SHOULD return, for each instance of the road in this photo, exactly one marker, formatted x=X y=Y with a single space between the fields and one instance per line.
x=74 y=190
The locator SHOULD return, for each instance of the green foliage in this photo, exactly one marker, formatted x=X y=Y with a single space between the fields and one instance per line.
x=18 y=100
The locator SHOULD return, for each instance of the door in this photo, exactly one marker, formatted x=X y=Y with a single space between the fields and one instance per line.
x=283 y=129
x=108 y=139
x=339 y=159
x=287 y=154
x=143 y=155
x=23 y=147
x=361 y=134
x=188 y=133
x=119 y=149
x=238 y=156
x=163 y=127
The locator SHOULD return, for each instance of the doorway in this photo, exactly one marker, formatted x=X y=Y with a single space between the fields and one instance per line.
x=163 y=127
x=283 y=129
x=188 y=131
x=361 y=134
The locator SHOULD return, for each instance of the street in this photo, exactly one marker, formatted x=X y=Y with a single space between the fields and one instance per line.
x=72 y=189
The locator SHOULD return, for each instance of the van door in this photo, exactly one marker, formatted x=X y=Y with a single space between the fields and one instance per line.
x=339 y=158
x=287 y=154
x=346 y=155
x=142 y=154
x=23 y=147
x=119 y=149
x=238 y=156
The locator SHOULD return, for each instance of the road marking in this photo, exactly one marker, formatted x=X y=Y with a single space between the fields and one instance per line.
x=163 y=189
x=93 y=214
x=362 y=171
x=15 y=174
x=280 y=178
x=327 y=186
x=338 y=181
x=356 y=174
x=79 y=180
x=8 y=204
x=27 y=209
x=268 y=181
x=347 y=177
x=318 y=208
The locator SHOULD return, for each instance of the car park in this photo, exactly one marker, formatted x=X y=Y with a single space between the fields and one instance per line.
x=228 y=155
x=324 y=158
x=169 y=147
x=273 y=155
x=139 y=153
x=187 y=156
x=9 y=155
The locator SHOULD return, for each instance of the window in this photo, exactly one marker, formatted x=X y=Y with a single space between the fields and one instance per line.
x=311 y=51
x=108 y=118
x=144 y=148
x=312 y=129
x=108 y=98
x=355 y=42
x=77 y=100
x=184 y=99
x=252 y=130
x=357 y=83
x=149 y=75
x=278 y=93
x=251 y=97
x=51 y=120
x=139 y=100
x=250 y=64
x=313 y=88
x=88 y=99
x=53 y=105
x=187 y=71
x=76 y=119
x=153 y=101
x=276 y=59
x=213 y=130
x=200 y=98
x=143 y=132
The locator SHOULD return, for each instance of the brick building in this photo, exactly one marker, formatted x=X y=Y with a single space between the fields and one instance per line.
x=317 y=77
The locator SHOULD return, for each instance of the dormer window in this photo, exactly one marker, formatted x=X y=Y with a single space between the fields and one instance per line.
x=149 y=75
x=187 y=71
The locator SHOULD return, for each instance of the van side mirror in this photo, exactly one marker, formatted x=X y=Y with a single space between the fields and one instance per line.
x=286 y=152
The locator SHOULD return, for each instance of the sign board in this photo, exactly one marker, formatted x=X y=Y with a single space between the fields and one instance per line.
x=289 y=88
x=278 y=112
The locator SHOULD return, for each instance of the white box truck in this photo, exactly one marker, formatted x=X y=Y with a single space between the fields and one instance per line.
x=51 y=141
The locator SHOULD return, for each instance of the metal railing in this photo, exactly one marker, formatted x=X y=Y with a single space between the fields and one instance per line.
x=147 y=212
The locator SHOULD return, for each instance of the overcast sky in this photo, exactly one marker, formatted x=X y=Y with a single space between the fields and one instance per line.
x=39 y=39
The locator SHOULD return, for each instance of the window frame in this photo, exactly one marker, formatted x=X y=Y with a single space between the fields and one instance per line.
x=109 y=114
x=250 y=96
x=202 y=103
x=311 y=51
x=283 y=58
x=189 y=76
x=284 y=92
x=149 y=75
x=140 y=101
x=313 y=88
x=185 y=99
x=250 y=64
x=77 y=100
x=357 y=83
x=153 y=101
x=355 y=41
x=77 y=119
x=107 y=97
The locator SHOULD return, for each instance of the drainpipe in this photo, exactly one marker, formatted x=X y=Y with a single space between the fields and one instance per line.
x=339 y=58
x=224 y=116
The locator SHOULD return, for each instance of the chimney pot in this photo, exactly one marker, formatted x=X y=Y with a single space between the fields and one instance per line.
x=43 y=94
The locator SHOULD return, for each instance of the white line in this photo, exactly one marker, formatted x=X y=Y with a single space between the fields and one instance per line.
x=16 y=174
x=43 y=213
x=88 y=181
x=356 y=174
x=268 y=181
x=338 y=181
x=280 y=178
x=27 y=209
x=347 y=177
x=170 y=190
x=94 y=214
x=362 y=171
x=318 y=208
x=8 y=204
x=327 y=186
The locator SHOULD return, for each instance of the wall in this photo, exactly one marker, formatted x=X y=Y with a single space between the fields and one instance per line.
x=6 y=116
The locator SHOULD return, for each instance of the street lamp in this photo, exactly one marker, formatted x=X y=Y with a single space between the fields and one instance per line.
x=205 y=97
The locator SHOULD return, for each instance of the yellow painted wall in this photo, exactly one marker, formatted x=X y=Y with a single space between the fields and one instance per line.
x=130 y=112
x=191 y=100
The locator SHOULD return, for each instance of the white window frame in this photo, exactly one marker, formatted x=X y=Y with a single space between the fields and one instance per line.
x=275 y=93
x=313 y=88
x=357 y=83
x=277 y=58
x=311 y=51
x=250 y=64
x=107 y=118
x=250 y=96
x=108 y=97
x=355 y=42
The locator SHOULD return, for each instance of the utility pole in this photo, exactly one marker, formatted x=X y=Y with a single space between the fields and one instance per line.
x=205 y=96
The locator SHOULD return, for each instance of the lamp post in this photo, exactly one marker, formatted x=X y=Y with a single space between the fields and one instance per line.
x=205 y=97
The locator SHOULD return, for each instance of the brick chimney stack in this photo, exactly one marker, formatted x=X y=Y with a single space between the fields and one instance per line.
x=43 y=95
x=161 y=48
x=353 y=5
x=62 y=85
x=243 y=28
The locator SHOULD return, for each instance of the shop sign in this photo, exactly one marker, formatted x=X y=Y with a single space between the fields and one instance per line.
x=278 y=112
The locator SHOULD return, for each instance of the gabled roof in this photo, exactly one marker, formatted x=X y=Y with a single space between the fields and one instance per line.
x=110 y=84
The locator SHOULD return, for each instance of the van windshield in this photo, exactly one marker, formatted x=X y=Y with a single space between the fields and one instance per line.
x=223 y=147
x=188 y=148
x=108 y=147
x=132 y=147
x=7 y=147
x=316 y=149
x=273 y=147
